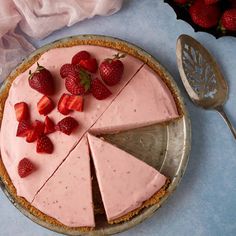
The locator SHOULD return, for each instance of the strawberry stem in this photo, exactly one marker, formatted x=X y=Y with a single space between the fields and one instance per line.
x=119 y=56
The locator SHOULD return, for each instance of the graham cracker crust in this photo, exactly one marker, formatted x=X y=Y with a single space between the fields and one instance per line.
x=151 y=201
x=7 y=183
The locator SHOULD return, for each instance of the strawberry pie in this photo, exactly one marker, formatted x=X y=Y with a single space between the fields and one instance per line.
x=56 y=110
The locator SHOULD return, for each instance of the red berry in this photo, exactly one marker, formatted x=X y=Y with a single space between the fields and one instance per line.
x=42 y=81
x=67 y=125
x=45 y=105
x=111 y=70
x=99 y=90
x=75 y=103
x=23 y=128
x=209 y=2
x=79 y=83
x=49 y=126
x=67 y=69
x=25 y=167
x=22 y=111
x=206 y=16
x=36 y=131
x=228 y=20
x=90 y=65
x=82 y=55
x=61 y=106
x=44 y=145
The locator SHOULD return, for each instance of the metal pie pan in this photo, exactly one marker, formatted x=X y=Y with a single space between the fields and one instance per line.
x=163 y=146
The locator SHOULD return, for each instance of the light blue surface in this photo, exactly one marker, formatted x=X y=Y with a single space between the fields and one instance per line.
x=205 y=202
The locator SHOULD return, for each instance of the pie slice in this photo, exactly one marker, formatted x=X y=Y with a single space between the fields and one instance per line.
x=126 y=183
x=146 y=100
x=67 y=196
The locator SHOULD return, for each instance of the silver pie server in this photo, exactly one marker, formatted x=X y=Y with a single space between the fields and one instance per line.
x=202 y=77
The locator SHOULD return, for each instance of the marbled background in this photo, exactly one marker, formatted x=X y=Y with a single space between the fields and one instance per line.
x=205 y=202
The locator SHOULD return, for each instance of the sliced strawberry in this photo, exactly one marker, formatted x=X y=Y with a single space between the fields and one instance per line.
x=25 y=167
x=45 y=105
x=82 y=55
x=23 y=128
x=36 y=131
x=22 y=111
x=99 y=90
x=67 y=125
x=49 y=126
x=44 y=145
x=90 y=65
x=67 y=69
x=75 y=103
x=61 y=106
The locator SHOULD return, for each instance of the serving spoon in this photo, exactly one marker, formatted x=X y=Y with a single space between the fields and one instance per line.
x=202 y=77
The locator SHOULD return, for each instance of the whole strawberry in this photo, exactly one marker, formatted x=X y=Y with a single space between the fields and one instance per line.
x=111 y=70
x=42 y=81
x=203 y=15
x=78 y=83
x=228 y=20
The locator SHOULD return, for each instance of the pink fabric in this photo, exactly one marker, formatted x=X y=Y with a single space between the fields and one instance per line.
x=39 y=18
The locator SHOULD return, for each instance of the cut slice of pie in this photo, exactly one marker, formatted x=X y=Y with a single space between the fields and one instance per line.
x=67 y=196
x=146 y=100
x=126 y=183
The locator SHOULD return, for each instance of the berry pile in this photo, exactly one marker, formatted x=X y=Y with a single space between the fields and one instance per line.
x=214 y=16
x=79 y=82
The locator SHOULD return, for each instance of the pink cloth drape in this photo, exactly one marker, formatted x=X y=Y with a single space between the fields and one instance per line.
x=39 y=18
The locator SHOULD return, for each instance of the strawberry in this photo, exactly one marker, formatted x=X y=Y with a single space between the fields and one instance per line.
x=82 y=55
x=228 y=20
x=209 y=2
x=205 y=16
x=111 y=70
x=23 y=128
x=49 y=126
x=61 y=106
x=42 y=81
x=67 y=125
x=90 y=65
x=44 y=145
x=75 y=103
x=22 y=111
x=45 y=105
x=25 y=167
x=66 y=69
x=78 y=83
x=99 y=90
x=36 y=131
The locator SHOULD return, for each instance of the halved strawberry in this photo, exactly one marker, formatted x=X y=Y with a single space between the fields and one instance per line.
x=66 y=69
x=25 y=167
x=49 y=126
x=44 y=145
x=36 y=131
x=45 y=105
x=78 y=83
x=61 y=106
x=82 y=55
x=67 y=125
x=23 y=128
x=90 y=65
x=75 y=103
x=22 y=111
x=99 y=90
